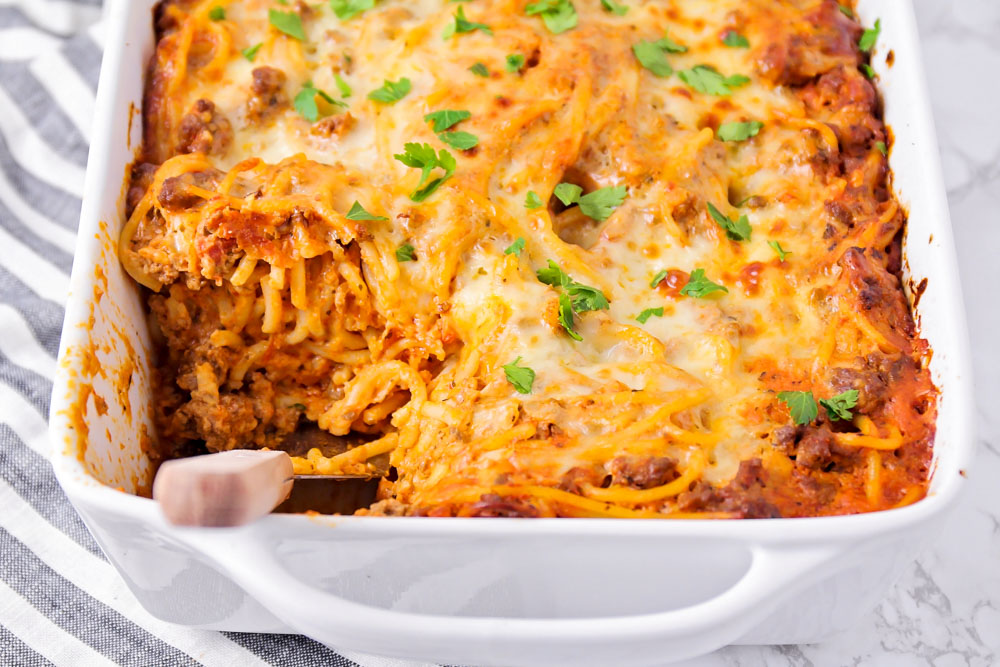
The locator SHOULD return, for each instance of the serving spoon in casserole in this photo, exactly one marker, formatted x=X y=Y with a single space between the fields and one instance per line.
x=237 y=487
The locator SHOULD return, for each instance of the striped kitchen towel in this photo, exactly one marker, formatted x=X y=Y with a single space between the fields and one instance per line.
x=61 y=602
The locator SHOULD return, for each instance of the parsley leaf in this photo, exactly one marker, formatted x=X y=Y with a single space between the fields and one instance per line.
x=706 y=79
x=558 y=15
x=846 y=11
x=566 y=317
x=568 y=193
x=391 y=91
x=600 y=204
x=305 y=102
x=597 y=205
x=652 y=55
x=869 y=36
x=217 y=13
x=740 y=131
x=521 y=377
x=532 y=201
x=614 y=7
x=669 y=45
x=479 y=69
x=653 y=58
x=461 y=141
x=289 y=23
x=358 y=212
x=342 y=86
x=839 y=407
x=405 y=253
x=700 y=286
x=735 y=40
x=649 y=312
x=658 y=278
x=587 y=298
x=515 y=62
x=250 y=53
x=737 y=230
x=463 y=25
x=868 y=71
x=553 y=275
x=882 y=148
x=574 y=297
x=801 y=404
x=348 y=9
x=782 y=253
x=516 y=247
x=423 y=157
x=446 y=118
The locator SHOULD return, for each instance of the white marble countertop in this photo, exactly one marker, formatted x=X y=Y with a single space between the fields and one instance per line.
x=945 y=609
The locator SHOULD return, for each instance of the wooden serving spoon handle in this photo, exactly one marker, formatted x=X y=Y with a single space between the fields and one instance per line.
x=225 y=489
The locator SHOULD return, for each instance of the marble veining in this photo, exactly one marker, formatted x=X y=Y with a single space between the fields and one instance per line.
x=945 y=609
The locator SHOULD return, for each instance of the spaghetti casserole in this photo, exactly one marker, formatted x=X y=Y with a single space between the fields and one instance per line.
x=633 y=258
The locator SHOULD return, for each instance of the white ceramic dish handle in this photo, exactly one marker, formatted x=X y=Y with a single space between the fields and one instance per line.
x=698 y=628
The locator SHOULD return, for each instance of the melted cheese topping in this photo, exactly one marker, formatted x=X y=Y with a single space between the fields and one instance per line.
x=695 y=387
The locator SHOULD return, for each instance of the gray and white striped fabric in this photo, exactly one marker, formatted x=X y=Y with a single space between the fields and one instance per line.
x=61 y=602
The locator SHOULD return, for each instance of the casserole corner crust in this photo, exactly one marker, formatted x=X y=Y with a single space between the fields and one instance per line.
x=588 y=258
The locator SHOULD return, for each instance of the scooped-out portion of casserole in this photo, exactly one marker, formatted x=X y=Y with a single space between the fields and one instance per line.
x=604 y=258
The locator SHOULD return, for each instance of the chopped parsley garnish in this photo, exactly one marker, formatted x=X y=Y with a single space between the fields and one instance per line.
x=614 y=7
x=463 y=25
x=706 y=79
x=870 y=36
x=566 y=317
x=558 y=15
x=461 y=141
x=649 y=312
x=305 y=102
x=358 y=212
x=445 y=118
x=782 y=253
x=839 y=407
x=250 y=53
x=391 y=91
x=737 y=230
x=521 y=377
x=882 y=148
x=801 y=404
x=846 y=11
x=735 y=40
x=658 y=278
x=217 y=13
x=568 y=193
x=699 y=286
x=532 y=200
x=867 y=70
x=342 y=86
x=597 y=205
x=289 y=23
x=739 y=131
x=653 y=55
x=423 y=157
x=515 y=62
x=516 y=247
x=348 y=9
x=405 y=253
x=574 y=297
x=479 y=69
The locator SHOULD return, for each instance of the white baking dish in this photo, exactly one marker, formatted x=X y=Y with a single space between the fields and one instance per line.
x=500 y=591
